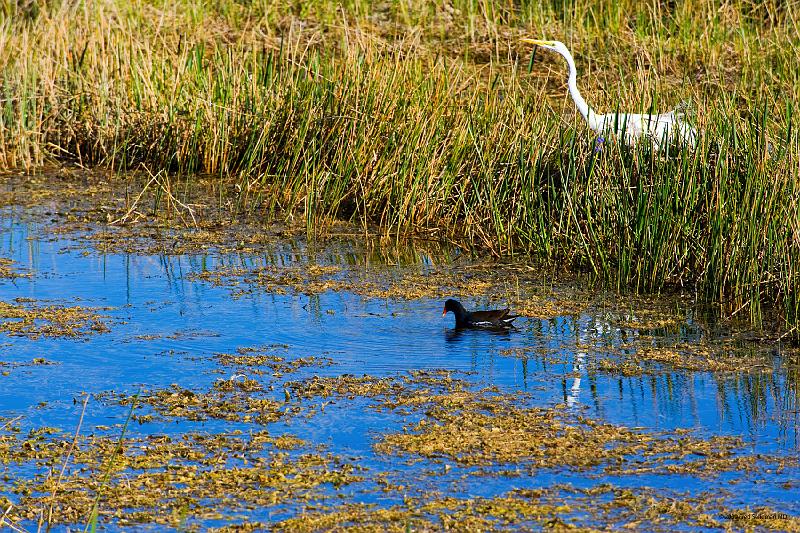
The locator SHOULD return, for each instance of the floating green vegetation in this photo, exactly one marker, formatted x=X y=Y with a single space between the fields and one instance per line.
x=693 y=357
x=60 y=190
x=28 y=318
x=355 y=517
x=484 y=428
x=649 y=319
x=255 y=359
x=481 y=430
x=161 y=237
x=228 y=399
x=559 y=508
x=159 y=479
x=415 y=388
x=247 y=400
x=253 y=393
x=183 y=481
x=380 y=283
x=36 y=361
x=9 y=271
x=555 y=508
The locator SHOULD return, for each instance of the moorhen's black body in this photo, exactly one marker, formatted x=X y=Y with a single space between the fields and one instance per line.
x=494 y=319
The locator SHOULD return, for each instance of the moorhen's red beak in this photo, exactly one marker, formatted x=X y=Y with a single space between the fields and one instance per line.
x=444 y=312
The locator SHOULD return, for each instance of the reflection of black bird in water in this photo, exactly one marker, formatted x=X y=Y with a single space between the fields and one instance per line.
x=459 y=335
x=494 y=319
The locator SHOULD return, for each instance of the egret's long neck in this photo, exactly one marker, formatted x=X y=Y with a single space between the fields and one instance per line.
x=572 y=83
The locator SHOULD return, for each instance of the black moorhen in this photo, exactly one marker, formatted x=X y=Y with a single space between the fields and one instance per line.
x=479 y=319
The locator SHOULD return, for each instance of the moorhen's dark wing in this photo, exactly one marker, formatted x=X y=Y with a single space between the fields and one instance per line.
x=498 y=317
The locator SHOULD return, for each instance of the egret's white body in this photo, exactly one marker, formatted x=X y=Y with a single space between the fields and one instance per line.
x=661 y=129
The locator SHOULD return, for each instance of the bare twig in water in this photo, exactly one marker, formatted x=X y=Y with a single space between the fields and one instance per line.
x=164 y=184
x=66 y=460
x=7 y=424
x=132 y=208
x=5 y=521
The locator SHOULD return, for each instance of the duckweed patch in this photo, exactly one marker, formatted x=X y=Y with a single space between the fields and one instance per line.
x=158 y=479
x=247 y=400
x=8 y=270
x=702 y=357
x=399 y=391
x=697 y=357
x=564 y=507
x=486 y=428
x=61 y=188
x=228 y=399
x=258 y=359
x=558 y=507
x=102 y=212
x=36 y=361
x=25 y=317
x=646 y=315
x=253 y=393
x=316 y=279
x=475 y=429
x=358 y=517
x=159 y=237
x=546 y=303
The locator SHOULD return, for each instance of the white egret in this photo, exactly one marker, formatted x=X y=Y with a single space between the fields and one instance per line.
x=661 y=129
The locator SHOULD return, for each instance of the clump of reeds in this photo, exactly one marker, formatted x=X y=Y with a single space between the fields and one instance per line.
x=421 y=115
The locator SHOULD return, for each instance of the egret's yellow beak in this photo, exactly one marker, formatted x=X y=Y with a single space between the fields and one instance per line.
x=539 y=42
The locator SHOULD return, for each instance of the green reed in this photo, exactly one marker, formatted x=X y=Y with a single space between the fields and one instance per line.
x=435 y=119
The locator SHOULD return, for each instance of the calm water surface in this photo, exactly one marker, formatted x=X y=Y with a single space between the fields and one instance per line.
x=188 y=321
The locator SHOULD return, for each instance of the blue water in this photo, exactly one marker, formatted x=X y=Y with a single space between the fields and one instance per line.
x=192 y=320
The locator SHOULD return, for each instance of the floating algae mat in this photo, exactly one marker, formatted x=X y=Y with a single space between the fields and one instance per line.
x=243 y=378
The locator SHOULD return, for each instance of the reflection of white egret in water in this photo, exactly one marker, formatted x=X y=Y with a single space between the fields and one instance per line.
x=582 y=325
x=582 y=340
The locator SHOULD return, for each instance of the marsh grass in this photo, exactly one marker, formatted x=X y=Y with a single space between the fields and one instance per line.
x=431 y=117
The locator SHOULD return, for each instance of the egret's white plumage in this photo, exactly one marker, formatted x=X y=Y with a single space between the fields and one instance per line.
x=661 y=129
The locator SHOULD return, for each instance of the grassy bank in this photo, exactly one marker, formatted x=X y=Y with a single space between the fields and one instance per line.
x=431 y=116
